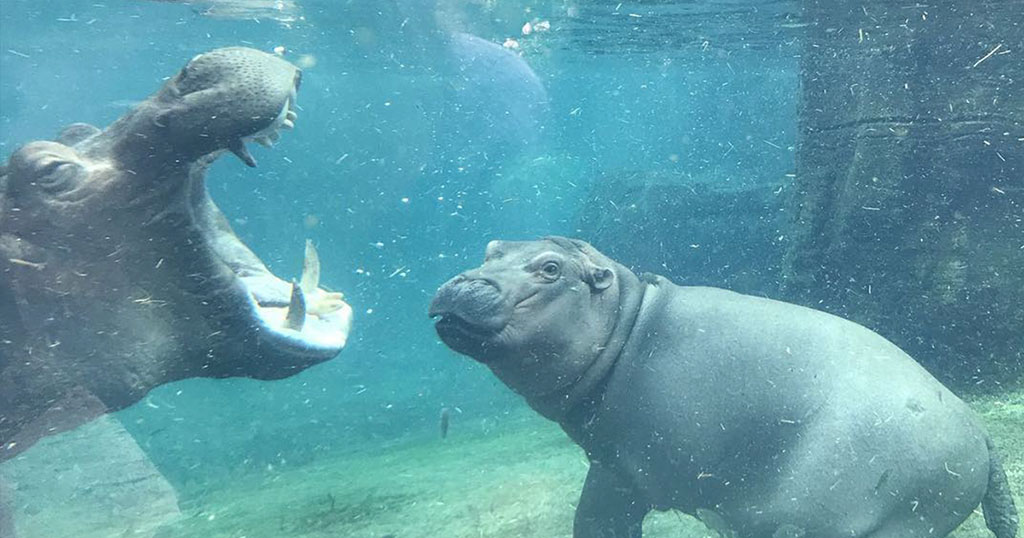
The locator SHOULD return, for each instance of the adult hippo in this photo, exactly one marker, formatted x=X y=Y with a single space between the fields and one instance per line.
x=764 y=418
x=119 y=273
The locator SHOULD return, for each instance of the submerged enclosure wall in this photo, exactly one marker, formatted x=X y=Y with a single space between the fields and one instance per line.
x=909 y=195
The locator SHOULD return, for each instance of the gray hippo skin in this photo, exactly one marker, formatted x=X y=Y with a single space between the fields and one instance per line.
x=764 y=419
x=118 y=272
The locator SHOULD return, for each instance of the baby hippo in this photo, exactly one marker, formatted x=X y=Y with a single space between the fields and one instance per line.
x=762 y=418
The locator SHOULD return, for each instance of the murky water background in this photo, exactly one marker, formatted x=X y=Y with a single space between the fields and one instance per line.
x=425 y=130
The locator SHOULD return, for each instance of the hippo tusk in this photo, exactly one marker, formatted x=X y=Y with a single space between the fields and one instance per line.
x=310 y=280
x=238 y=148
x=295 y=318
x=267 y=136
x=318 y=302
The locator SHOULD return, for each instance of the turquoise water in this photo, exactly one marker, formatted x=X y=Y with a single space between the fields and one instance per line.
x=379 y=124
x=424 y=131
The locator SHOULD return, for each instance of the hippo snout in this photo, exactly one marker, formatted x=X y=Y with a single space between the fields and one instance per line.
x=473 y=305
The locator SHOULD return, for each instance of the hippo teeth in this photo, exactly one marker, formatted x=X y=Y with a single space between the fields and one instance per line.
x=267 y=140
x=310 y=279
x=238 y=148
x=320 y=302
x=295 y=318
x=308 y=301
x=267 y=136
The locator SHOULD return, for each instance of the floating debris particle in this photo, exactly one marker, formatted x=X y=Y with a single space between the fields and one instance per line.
x=446 y=415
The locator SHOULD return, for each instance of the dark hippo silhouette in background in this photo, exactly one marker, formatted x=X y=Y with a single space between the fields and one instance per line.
x=762 y=418
x=118 y=272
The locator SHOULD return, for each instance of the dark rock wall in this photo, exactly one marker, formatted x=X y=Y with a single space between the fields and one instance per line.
x=694 y=234
x=909 y=195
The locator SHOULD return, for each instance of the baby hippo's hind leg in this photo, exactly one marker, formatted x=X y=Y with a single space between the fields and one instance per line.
x=855 y=483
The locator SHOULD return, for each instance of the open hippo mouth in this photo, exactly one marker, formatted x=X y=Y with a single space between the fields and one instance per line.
x=233 y=96
x=128 y=207
x=118 y=272
x=239 y=95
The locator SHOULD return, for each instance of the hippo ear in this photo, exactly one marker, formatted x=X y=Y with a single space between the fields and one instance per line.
x=162 y=118
x=599 y=278
x=76 y=133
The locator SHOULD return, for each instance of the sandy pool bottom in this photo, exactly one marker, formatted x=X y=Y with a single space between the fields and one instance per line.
x=522 y=481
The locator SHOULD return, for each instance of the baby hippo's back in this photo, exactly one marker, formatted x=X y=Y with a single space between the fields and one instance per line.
x=775 y=416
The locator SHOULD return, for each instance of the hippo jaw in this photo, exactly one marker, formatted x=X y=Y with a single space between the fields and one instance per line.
x=188 y=119
x=190 y=111
x=117 y=265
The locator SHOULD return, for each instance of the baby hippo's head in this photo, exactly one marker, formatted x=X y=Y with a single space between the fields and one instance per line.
x=536 y=312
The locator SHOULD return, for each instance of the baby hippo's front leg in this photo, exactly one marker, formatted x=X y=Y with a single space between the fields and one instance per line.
x=609 y=507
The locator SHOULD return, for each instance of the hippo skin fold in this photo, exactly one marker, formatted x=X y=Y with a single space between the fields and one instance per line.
x=762 y=418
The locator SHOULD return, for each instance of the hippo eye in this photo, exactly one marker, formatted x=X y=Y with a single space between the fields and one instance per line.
x=551 y=270
x=58 y=175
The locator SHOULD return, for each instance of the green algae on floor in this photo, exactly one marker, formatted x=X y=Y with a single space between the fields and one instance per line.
x=518 y=483
x=520 y=480
x=523 y=482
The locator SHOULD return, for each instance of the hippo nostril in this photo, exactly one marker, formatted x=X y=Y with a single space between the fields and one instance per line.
x=475 y=278
x=484 y=289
